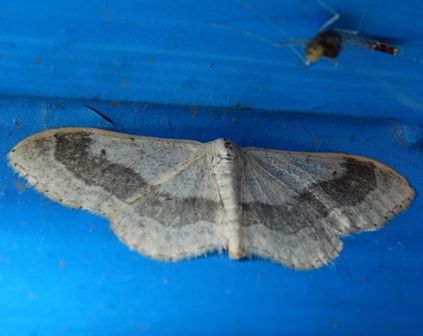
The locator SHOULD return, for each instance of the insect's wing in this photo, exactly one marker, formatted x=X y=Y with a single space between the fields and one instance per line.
x=296 y=205
x=178 y=215
x=88 y=168
x=159 y=194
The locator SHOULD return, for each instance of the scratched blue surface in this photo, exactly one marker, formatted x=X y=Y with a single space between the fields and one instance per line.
x=164 y=69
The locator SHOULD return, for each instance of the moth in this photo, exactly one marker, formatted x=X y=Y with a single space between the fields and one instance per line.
x=173 y=199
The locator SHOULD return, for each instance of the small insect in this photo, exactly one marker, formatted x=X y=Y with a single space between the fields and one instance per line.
x=327 y=43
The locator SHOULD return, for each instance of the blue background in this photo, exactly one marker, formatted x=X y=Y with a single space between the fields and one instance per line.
x=163 y=68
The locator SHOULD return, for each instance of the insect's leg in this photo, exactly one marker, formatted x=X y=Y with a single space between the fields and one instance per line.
x=355 y=32
x=362 y=18
x=334 y=61
x=333 y=19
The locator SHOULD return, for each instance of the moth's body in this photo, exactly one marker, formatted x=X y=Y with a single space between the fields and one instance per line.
x=227 y=161
x=174 y=199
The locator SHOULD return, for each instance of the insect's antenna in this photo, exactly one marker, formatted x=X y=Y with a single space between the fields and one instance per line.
x=332 y=20
x=290 y=44
x=274 y=26
x=263 y=17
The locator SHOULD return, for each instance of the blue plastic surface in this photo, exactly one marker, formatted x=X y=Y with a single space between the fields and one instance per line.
x=159 y=68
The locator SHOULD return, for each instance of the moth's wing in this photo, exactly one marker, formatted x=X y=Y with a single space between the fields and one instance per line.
x=92 y=169
x=159 y=194
x=178 y=215
x=297 y=205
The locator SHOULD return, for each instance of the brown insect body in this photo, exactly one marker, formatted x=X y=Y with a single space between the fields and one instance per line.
x=327 y=44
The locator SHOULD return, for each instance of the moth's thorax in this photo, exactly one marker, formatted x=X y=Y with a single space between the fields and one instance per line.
x=226 y=151
x=227 y=160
